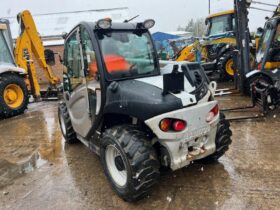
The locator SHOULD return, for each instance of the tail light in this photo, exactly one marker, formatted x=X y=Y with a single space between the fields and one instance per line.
x=179 y=125
x=212 y=114
x=165 y=125
x=169 y=124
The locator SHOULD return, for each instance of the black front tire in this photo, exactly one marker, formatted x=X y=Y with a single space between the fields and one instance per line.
x=12 y=79
x=66 y=127
x=139 y=160
x=254 y=79
x=223 y=65
x=223 y=140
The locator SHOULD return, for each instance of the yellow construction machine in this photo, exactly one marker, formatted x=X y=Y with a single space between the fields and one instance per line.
x=13 y=90
x=29 y=47
x=216 y=50
x=18 y=73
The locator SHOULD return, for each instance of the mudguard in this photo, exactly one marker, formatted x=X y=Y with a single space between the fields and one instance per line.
x=271 y=75
x=225 y=49
x=10 y=68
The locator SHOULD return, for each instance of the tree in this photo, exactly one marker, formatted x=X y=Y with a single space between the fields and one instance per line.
x=197 y=27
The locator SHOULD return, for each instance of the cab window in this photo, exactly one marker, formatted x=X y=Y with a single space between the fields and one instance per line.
x=221 y=24
x=128 y=54
x=73 y=62
x=91 y=70
x=5 y=55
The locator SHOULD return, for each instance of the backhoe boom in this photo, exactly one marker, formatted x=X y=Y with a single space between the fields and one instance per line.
x=29 y=46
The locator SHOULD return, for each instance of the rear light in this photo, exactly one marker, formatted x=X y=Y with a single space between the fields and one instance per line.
x=179 y=125
x=169 y=124
x=259 y=66
x=212 y=114
x=165 y=125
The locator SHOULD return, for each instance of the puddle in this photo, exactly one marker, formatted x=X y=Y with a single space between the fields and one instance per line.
x=10 y=171
x=29 y=141
x=35 y=162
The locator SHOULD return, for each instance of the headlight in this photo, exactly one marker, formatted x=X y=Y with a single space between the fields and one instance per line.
x=149 y=23
x=104 y=23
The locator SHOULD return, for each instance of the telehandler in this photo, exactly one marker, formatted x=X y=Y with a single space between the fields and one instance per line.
x=137 y=116
x=264 y=82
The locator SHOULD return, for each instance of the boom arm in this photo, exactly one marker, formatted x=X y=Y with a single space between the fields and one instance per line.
x=28 y=46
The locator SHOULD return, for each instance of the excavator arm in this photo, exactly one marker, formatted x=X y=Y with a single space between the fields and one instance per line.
x=29 y=47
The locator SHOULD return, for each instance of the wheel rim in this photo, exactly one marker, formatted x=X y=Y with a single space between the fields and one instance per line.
x=13 y=96
x=115 y=165
x=62 y=124
x=229 y=67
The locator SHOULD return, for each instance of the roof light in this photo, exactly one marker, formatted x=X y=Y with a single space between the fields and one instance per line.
x=149 y=23
x=104 y=23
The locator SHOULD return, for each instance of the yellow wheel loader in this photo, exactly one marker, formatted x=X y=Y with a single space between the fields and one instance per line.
x=18 y=74
x=13 y=89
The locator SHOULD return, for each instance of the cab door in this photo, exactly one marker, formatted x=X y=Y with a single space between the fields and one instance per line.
x=92 y=73
x=75 y=84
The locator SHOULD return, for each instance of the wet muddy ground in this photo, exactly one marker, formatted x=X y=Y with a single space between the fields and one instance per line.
x=38 y=171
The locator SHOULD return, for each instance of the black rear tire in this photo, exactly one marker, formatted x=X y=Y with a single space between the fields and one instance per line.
x=223 y=140
x=139 y=161
x=66 y=127
x=12 y=79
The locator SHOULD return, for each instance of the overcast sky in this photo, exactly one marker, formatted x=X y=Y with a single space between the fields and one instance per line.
x=168 y=14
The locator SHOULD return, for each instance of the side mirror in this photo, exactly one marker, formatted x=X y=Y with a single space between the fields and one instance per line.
x=49 y=56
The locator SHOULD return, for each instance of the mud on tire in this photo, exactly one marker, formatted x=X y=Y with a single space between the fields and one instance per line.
x=66 y=125
x=136 y=158
x=223 y=140
x=12 y=79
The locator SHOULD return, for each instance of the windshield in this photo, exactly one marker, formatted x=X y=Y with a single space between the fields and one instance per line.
x=127 y=54
x=264 y=43
x=219 y=25
x=5 y=54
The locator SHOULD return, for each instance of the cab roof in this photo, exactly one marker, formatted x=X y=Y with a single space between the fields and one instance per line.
x=228 y=12
x=115 y=25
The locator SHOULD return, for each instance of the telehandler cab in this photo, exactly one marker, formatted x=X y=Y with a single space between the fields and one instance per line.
x=136 y=116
